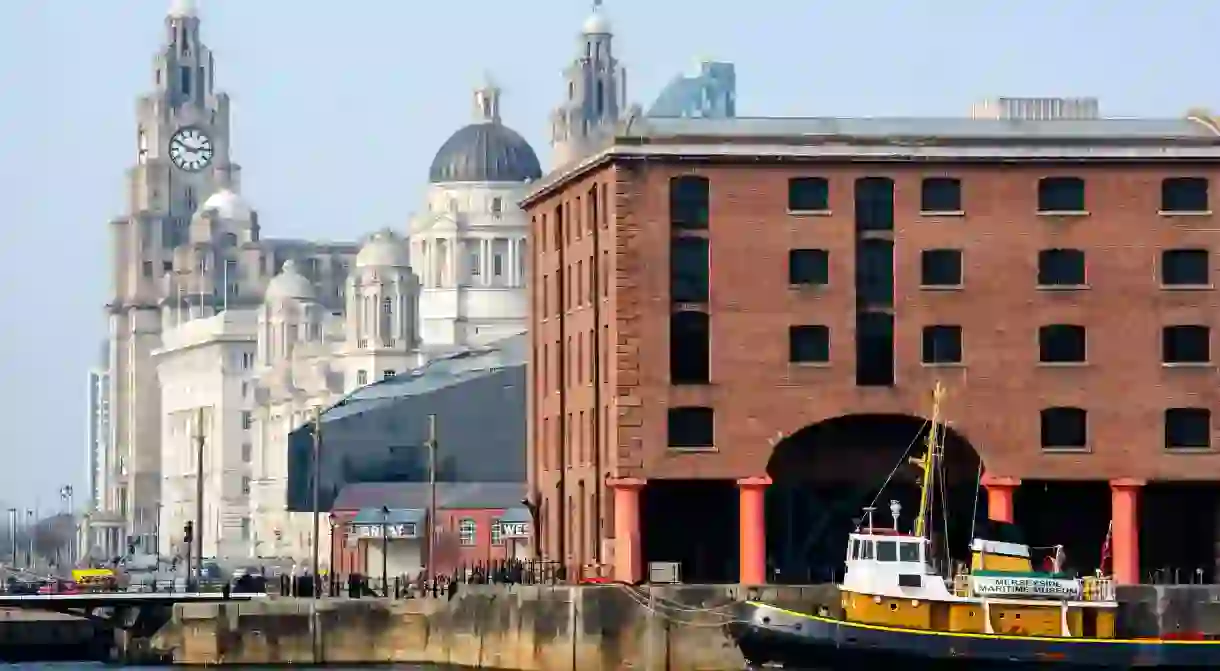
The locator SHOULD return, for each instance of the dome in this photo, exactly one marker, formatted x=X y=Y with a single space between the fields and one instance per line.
x=384 y=249
x=290 y=284
x=596 y=24
x=228 y=205
x=485 y=152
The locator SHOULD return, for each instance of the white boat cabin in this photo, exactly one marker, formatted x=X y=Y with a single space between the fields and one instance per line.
x=884 y=562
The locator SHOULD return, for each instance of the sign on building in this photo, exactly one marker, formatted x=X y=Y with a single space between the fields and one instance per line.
x=1025 y=586
x=515 y=529
x=392 y=531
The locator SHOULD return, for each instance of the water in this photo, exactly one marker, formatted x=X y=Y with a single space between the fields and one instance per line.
x=73 y=666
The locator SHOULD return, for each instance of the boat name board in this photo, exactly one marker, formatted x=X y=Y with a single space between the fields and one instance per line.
x=1025 y=586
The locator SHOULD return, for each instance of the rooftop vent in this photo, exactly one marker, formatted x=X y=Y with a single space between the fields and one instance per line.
x=1037 y=109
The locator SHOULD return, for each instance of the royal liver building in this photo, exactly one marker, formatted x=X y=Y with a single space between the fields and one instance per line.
x=189 y=247
x=222 y=338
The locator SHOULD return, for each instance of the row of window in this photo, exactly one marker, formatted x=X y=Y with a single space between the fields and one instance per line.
x=1057 y=344
x=943 y=268
x=690 y=197
x=1061 y=428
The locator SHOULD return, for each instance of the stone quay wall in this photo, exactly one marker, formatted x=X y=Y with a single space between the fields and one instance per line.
x=520 y=628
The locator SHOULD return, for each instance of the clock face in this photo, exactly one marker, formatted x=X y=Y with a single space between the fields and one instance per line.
x=190 y=149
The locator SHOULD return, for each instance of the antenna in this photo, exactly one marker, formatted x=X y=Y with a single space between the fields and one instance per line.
x=868 y=518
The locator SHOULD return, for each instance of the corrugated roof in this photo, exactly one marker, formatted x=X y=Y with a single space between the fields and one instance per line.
x=444 y=371
x=416 y=495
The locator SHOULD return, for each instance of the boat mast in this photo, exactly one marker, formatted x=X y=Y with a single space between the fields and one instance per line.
x=929 y=465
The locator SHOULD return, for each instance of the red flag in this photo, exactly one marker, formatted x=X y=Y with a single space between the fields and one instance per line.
x=1107 y=551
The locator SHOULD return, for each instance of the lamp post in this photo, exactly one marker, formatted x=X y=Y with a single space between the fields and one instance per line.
x=385 y=550
x=12 y=534
x=532 y=507
x=333 y=556
x=316 y=486
x=29 y=538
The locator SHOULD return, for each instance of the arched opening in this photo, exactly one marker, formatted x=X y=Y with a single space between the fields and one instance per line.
x=826 y=474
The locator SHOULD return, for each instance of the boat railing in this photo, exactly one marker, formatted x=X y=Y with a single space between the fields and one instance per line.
x=961 y=584
x=1099 y=589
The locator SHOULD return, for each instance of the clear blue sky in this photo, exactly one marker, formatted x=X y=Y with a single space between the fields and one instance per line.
x=338 y=108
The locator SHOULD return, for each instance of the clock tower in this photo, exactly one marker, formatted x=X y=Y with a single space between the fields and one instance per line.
x=181 y=157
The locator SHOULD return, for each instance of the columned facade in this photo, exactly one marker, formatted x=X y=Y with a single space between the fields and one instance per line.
x=1000 y=491
x=628 y=555
x=753 y=531
x=1125 y=533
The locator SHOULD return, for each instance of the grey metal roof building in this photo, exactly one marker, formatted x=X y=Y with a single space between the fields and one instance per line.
x=710 y=94
x=379 y=433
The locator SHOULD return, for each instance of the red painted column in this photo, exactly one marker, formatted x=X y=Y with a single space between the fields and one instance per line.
x=628 y=555
x=999 y=497
x=753 y=532
x=1125 y=542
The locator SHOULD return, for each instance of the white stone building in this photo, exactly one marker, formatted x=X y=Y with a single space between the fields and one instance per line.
x=206 y=369
x=195 y=284
x=470 y=244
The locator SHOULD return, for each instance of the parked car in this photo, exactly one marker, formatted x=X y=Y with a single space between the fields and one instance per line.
x=59 y=587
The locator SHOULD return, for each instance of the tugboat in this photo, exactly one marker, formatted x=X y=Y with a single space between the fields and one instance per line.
x=996 y=613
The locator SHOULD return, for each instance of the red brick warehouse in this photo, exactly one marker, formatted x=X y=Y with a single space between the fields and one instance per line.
x=747 y=301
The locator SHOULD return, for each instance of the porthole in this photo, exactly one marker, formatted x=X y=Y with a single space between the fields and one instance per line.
x=893 y=606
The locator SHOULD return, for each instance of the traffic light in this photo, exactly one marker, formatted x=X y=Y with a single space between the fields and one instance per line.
x=188 y=532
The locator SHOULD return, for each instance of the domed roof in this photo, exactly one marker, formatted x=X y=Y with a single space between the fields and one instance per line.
x=290 y=284
x=228 y=205
x=485 y=152
x=596 y=24
x=384 y=249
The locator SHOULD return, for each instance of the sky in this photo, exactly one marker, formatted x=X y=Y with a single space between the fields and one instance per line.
x=338 y=109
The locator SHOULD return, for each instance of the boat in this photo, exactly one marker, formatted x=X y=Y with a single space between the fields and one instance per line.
x=994 y=612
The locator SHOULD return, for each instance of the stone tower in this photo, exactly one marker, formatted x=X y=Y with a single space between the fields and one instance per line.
x=162 y=195
x=596 y=92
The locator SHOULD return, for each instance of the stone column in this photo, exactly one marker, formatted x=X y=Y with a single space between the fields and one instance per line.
x=628 y=558
x=753 y=531
x=1125 y=538
x=1000 y=492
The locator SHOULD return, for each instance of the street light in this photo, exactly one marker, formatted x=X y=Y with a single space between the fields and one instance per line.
x=12 y=534
x=385 y=550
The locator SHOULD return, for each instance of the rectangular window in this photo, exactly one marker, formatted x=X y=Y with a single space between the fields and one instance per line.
x=1184 y=195
x=1061 y=195
x=887 y=551
x=808 y=344
x=875 y=273
x=1186 y=344
x=874 y=204
x=468 y=531
x=497 y=265
x=874 y=349
x=1061 y=343
x=362 y=378
x=809 y=267
x=691 y=428
x=247 y=452
x=497 y=532
x=1185 y=267
x=940 y=195
x=689 y=347
x=940 y=268
x=689 y=202
x=247 y=420
x=1061 y=268
x=942 y=344
x=1188 y=429
x=688 y=270
x=245 y=486
x=184 y=80
x=147 y=269
x=808 y=194
x=387 y=374
x=1064 y=429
